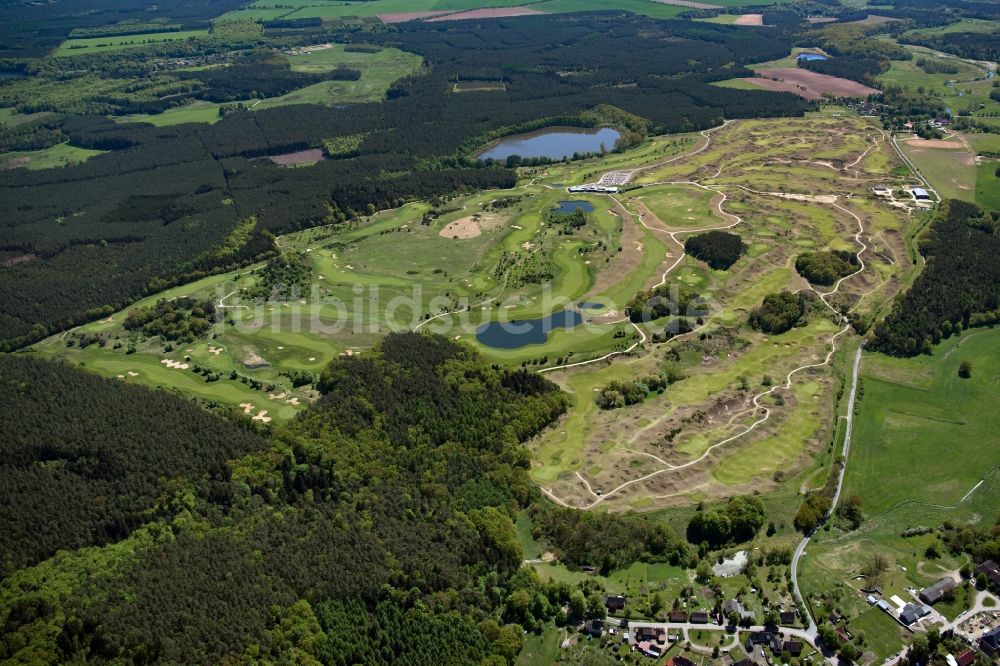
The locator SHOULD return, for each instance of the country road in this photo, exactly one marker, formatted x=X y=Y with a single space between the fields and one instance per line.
x=801 y=548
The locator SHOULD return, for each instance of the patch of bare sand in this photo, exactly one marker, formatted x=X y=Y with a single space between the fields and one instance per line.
x=461 y=229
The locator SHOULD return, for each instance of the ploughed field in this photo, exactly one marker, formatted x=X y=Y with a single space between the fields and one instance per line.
x=785 y=186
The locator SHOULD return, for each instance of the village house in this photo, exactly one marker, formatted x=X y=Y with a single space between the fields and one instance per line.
x=615 y=603
x=793 y=648
x=593 y=628
x=990 y=642
x=913 y=612
x=678 y=615
x=788 y=617
x=699 y=617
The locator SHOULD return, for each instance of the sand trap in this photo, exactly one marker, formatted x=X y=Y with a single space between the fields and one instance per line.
x=214 y=350
x=133 y=374
x=312 y=358
x=277 y=396
x=293 y=401
x=934 y=143
x=247 y=407
x=467 y=227
x=175 y=365
x=750 y=19
x=262 y=416
x=280 y=347
x=121 y=376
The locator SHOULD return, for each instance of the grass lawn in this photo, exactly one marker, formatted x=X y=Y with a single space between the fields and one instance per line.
x=58 y=155
x=736 y=84
x=913 y=411
x=644 y=7
x=541 y=649
x=988 y=185
x=950 y=172
x=96 y=44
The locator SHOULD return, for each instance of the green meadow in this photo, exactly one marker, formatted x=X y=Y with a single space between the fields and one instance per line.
x=117 y=43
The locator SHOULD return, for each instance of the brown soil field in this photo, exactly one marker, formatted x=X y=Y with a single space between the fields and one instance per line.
x=497 y=12
x=688 y=3
x=934 y=143
x=300 y=157
x=750 y=19
x=782 y=86
x=403 y=17
x=819 y=83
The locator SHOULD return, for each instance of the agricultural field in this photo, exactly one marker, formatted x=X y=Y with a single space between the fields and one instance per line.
x=378 y=71
x=950 y=168
x=118 y=43
x=909 y=407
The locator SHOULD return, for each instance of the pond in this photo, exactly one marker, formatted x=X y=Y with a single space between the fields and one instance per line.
x=573 y=206
x=515 y=334
x=811 y=56
x=553 y=142
x=589 y=305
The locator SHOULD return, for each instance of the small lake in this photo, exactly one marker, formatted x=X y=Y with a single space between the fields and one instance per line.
x=573 y=206
x=515 y=334
x=589 y=305
x=811 y=56
x=553 y=142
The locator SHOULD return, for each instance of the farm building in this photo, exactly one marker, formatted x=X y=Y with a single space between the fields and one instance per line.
x=615 y=603
x=881 y=191
x=920 y=194
x=966 y=658
x=593 y=628
x=913 y=612
x=678 y=616
x=788 y=617
x=793 y=648
x=699 y=617
x=934 y=593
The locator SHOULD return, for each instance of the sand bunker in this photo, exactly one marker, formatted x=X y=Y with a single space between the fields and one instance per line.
x=214 y=350
x=262 y=416
x=467 y=227
x=750 y=19
x=175 y=365
x=133 y=374
x=247 y=407
x=293 y=401
x=277 y=396
x=934 y=143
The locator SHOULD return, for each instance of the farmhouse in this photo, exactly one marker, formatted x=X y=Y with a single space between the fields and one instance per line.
x=678 y=615
x=920 y=194
x=966 y=658
x=615 y=603
x=934 y=593
x=788 y=617
x=793 y=648
x=699 y=617
x=651 y=634
x=593 y=628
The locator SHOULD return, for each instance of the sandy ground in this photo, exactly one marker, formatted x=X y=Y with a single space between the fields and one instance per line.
x=299 y=157
x=498 y=12
x=175 y=365
x=403 y=17
x=933 y=143
x=466 y=227
x=819 y=83
x=750 y=19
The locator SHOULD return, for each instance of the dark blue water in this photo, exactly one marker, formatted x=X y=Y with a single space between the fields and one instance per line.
x=573 y=206
x=517 y=334
x=589 y=305
x=553 y=142
x=811 y=56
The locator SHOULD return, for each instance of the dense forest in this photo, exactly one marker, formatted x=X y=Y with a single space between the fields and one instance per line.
x=779 y=312
x=718 y=249
x=958 y=288
x=375 y=529
x=110 y=246
x=826 y=267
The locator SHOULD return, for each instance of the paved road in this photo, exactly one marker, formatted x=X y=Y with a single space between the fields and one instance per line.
x=801 y=548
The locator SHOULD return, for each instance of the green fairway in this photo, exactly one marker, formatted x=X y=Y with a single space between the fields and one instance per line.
x=98 y=44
